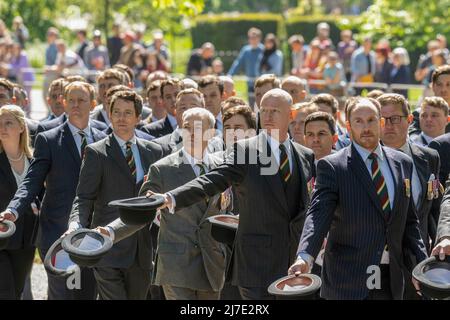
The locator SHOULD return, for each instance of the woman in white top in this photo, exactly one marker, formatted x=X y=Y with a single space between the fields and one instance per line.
x=16 y=259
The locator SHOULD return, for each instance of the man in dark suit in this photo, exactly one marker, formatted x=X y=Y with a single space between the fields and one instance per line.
x=107 y=102
x=424 y=184
x=433 y=119
x=114 y=168
x=169 y=92
x=190 y=264
x=57 y=161
x=269 y=174
x=425 y=176
x=55 y=97
x=186 y=99
x=362 y=200
x=440 y=82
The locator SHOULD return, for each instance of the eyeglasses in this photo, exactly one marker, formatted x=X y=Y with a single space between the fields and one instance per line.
x=395 y=119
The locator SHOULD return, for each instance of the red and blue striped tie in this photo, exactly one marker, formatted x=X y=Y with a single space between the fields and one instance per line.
x=380 y=185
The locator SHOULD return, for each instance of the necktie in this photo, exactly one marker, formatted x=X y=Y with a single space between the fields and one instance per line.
x=201 y=166
x=285 y=170
x=130 y=159
x=83 y=143
x=380 y=185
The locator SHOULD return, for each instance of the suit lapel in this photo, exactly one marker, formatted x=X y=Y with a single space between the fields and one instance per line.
x=267 y=160
x=422 y=169
x=6 y=169
x=302 y=166
x=69 y=141
x=146 y=155
x=356 y=163
x=117 y=156
x=396 y=170
x=97 y=135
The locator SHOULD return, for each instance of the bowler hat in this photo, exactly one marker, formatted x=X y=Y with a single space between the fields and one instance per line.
x=5 y=235
x=224 y=227
x=57 y=261
x=433 y=276
x=139 y=210
x=301 y=287
x=86 y=247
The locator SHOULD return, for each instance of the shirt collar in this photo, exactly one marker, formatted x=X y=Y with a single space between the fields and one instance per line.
x=364 y=153
x=172 y=121
x=428 y=139
x=193 y=161
x=274 y=144
x=123 y=142
x=75 y=130
x=405 y=148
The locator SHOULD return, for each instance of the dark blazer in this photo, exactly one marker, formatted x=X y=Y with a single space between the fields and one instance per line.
x=104 y=177
x=47 y=125
x=427 y=163
x=139 y=134
x=158 y=128
x=270 y=218
x=442 y=146
x=26 y=225
x=57 y=164
x=346 y=206
x=443 y=229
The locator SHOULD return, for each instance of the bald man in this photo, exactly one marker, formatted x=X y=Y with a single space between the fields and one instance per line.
x=270 y=174
x=296 y=87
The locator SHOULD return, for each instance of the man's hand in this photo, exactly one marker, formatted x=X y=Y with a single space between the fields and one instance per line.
x=299 y=266
x=442 y=249
x=167 y=202
x=417 y=286
x=6 y=215
x=103 y=230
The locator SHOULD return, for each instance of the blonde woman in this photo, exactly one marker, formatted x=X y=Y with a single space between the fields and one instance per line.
x=16 y=259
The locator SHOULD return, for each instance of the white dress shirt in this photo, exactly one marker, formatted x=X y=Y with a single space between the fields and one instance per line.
x=137 y=157
x=172 y=121
x=77 y=136
x=275 y=147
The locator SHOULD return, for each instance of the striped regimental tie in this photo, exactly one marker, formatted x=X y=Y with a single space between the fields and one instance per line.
x=285 y=170
x=380 y=186
x=130 y=159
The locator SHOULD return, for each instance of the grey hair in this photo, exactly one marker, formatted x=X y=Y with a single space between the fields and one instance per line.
x=202 y=113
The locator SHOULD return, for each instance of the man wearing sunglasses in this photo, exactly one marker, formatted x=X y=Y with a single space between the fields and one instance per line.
x=425 y=185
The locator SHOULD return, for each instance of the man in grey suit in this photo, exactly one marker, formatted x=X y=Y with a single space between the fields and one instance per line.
x=112 y=169
x=186 y=99
x=269 y=174
x=362 y=200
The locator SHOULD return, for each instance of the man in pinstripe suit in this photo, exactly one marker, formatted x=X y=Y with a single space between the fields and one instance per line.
x=112 y=169
x=362 y=199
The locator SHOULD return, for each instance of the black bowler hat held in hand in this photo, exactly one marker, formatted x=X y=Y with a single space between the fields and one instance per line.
x=301 y=287
x=86 y=247
x=224 y=227
x=139 y=210
x=57 y=261
x=5 y=235
x=433 y=276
